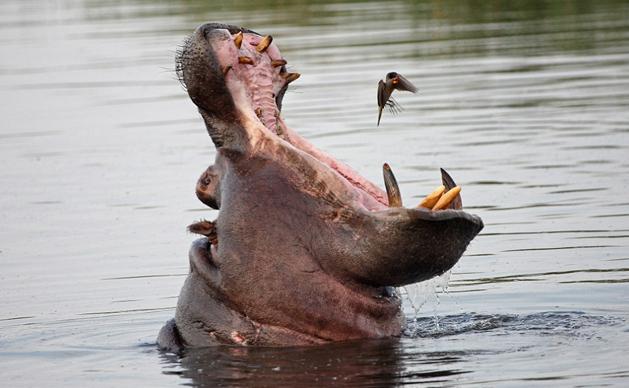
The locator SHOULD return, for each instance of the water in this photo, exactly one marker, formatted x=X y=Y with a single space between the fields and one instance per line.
x=525 y=103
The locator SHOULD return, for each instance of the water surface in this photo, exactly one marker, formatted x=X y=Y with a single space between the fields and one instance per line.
x=525 y=103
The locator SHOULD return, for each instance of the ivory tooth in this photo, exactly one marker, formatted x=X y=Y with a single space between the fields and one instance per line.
x=245 y=60
x=290 y=77
x=278 y=62
x=449 y=183
x=238 y=39
x=393 y=190
x=431 y=199
x=264 y=44
x=447 y=198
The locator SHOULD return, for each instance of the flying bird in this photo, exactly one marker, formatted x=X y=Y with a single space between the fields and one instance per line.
x=385 y=88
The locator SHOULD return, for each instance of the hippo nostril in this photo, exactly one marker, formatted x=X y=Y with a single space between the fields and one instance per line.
x=206 y=28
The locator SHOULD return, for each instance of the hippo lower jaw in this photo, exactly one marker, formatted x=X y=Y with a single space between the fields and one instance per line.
x=304 y=249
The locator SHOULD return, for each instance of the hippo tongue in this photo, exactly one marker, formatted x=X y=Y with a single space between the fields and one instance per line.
x=350 y=175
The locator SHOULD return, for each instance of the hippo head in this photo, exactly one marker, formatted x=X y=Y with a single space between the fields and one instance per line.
x=304 y=249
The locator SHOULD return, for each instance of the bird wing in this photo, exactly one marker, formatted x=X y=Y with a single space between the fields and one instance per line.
x=382 y=94
x=382 y=99
x=405 y=84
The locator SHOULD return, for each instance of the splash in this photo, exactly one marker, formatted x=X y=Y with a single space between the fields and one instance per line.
x=418 y=295
x=548 y=323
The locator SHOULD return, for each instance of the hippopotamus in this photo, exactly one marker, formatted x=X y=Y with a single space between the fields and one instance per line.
x=304 y=250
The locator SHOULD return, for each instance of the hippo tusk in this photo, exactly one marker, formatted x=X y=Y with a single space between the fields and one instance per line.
x=431 y=199
x=290 y=77
x=238 y=39
x=264 y=44
x=278 y=62
x=447 y=198
x=390 y=183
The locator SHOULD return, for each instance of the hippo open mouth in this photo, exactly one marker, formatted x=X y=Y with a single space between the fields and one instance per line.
x=304 y=249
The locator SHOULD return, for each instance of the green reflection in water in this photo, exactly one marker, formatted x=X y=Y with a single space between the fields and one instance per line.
x=550 y=25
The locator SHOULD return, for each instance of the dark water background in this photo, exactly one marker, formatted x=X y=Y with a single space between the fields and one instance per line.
x=526 y=103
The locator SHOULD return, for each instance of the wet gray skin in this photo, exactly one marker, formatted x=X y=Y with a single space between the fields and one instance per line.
x=304 y=250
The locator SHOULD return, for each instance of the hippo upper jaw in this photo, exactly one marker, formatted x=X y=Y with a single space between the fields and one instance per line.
x=239 y=93
x=304 y=249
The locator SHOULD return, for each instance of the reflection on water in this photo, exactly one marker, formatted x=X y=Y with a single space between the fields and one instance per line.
x=526 y=103
x=381 y=363
x=394 y=362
